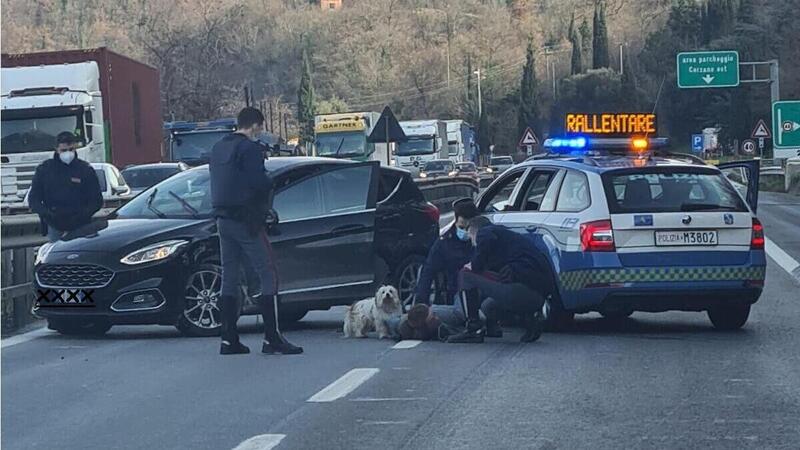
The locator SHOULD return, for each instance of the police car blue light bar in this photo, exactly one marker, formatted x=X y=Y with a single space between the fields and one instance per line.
x=579 y=143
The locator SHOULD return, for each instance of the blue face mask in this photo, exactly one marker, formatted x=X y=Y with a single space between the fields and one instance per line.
x=462 y=235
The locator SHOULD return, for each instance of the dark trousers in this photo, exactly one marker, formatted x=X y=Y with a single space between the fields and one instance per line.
x=240 y=247
x=494 y=297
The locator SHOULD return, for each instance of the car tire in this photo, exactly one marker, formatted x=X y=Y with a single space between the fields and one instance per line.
x=731 y=317
x=556 y=317
x=405 y=278
x=200 y=315
x=79 y=327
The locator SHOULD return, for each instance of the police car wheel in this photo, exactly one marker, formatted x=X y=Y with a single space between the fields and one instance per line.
x=731 y=317
x=200 y=315
x=79 y=327
x=556 y=318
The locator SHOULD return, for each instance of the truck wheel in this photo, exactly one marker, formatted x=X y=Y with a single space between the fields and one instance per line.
x=79 y=327
x=731 y=317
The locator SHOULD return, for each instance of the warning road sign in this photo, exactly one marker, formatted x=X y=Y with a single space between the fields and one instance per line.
x=528 y=138
x=761 y=130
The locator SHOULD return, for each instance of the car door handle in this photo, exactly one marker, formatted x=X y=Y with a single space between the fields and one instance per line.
x=531 y=228
x=348 y=229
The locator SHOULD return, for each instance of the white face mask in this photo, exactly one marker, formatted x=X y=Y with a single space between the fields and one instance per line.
x=67 y=157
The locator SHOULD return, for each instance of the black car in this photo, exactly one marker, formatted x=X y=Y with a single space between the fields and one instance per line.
x=142 y=176
x=343 y=228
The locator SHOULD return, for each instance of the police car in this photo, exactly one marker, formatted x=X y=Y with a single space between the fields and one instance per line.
x=627 y=226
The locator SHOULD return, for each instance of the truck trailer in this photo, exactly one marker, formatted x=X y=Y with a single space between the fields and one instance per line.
x=111 y=103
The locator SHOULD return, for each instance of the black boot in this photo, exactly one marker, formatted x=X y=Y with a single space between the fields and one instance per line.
x=472 y=334
x=534 y=325
x=493 y=329
x=274 y=342
x=229 y=312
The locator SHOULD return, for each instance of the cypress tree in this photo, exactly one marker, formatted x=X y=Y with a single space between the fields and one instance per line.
x=305 y=102
x=528 y=114
x=576 y=64
x=600 y=56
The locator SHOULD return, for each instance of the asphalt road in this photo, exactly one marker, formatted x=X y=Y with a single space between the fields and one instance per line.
x=654 y=381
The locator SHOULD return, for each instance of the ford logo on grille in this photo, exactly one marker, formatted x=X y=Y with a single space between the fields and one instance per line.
x=72 y=256
x=686 y=220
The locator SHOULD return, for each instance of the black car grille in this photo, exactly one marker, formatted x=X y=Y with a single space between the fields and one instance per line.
x=73 y=275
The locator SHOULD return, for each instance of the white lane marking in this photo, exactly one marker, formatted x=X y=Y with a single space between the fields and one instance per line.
x=388 y=399
x=261 y=442
x=410 y=343
x=25 y=337
x=346 y=384
x=386 y=422
x=783 y=259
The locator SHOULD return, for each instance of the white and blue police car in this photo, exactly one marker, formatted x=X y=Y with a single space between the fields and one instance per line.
x=627 y=226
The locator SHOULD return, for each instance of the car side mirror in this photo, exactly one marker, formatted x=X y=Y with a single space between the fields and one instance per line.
x=272 y=218
x=119 y=190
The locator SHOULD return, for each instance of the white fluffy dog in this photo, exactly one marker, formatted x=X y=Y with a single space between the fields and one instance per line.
x=371 y=314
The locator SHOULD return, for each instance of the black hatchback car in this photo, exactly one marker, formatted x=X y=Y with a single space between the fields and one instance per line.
x=343 y=228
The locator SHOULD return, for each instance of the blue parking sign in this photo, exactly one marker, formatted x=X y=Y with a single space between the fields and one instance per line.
x=697 y=143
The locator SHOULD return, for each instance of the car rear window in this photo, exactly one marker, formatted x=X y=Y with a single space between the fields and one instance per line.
x=397 y=186
x=670 y=190
x=144 y=178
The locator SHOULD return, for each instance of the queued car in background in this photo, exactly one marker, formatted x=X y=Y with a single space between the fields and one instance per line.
x=113 y=185
x=142 y=176
x=342 y=228
x=437 y=168
x=499 y=164
x=466 y=169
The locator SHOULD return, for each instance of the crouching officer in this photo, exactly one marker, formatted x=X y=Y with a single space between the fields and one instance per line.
x=448 y=254
x=240 y=193
x=505 y=276
x=65 y=191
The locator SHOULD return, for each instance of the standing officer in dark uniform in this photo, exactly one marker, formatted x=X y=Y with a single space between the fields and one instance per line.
x=240 y=193
x=65 y=192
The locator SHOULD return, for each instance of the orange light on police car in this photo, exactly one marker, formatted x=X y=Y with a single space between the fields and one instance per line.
x=639 y=144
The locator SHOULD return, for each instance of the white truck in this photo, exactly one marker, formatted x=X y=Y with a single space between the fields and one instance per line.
x=426 y=141
x=461 y=145
x=44 y=94
x=344 y=135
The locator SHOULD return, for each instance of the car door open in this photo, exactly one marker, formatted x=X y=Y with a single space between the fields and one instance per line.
x=325 y=233
x=744 y=175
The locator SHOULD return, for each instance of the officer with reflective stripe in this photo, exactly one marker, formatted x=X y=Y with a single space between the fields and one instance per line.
x=240 y=193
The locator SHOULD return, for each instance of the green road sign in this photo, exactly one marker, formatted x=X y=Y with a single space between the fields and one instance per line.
x=708 y=69
x=786 y=124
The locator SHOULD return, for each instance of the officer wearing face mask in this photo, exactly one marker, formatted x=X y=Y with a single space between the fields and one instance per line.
x=65 y=191
x=449 y=254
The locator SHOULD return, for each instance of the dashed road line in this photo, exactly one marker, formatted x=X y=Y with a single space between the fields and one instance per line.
x=346 y=384
x=409 y=343
x=783 y=259
x=261 y=442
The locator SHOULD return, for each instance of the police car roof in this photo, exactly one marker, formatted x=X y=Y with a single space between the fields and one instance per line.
x=602 y=162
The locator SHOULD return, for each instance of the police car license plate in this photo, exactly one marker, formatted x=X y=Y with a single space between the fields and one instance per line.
x=674 y=238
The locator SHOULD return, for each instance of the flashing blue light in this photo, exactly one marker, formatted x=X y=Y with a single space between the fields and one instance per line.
x=567 y=144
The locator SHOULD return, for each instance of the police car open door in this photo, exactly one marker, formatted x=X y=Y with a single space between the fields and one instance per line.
x=324 y=237
x=743 y=175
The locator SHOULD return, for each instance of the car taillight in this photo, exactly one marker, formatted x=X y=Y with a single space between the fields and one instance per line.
x=432 y=212
x=757 y=238
x=597 y=236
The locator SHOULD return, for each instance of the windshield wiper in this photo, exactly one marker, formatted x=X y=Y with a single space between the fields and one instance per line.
x=185 y=204
x=706 y=207
x=150 y=206
x=339 y=148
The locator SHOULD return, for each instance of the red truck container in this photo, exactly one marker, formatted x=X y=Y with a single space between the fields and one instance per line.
x=131 y=101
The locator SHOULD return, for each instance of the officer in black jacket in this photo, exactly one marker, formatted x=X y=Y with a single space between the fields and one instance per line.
x=65 y=191
x=241 y=191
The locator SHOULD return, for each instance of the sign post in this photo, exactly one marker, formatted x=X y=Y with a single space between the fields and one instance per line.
x=708 y=69
x=528 y=141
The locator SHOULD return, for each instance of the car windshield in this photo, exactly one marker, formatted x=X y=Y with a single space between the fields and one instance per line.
x=34 y=134
x=674 y=190
x=162 y=200
x=437 y=166
x=341 y=145
x=189 y=146
x=466 y=167
x=418 y=146
x=144 y=178
x=502 y=160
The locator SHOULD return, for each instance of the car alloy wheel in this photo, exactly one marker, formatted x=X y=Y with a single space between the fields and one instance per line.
x=406 y=279
x=201 y=315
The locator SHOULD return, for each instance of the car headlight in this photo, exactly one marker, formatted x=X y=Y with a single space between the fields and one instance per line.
x=423 y=175
x=489 y=170
x=41 y=254
x=153 y=252
x=453 y=173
